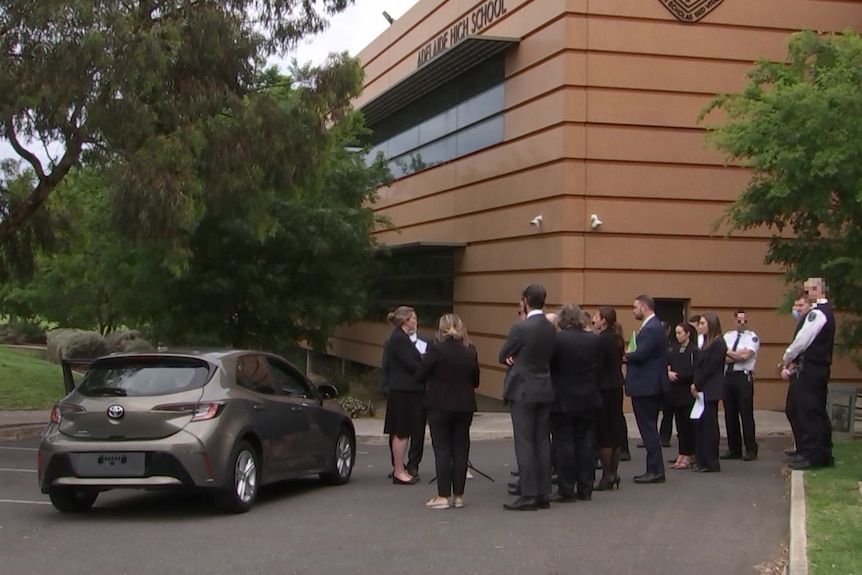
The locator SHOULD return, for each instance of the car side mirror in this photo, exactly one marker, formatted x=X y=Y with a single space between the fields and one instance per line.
x=327 y=391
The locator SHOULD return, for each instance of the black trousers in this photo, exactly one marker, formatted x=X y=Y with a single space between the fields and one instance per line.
x=739 y=405
x=646 y=410
x=707 y=437
x=684 y=429
x=532 y=429
x=574 y=441
x=791 y=409
x=417 y=446
x=450 y=438
x=810 y=390
x=665 y=428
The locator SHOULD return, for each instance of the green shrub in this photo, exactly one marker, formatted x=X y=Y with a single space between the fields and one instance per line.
x=357 y=407
x=21 y=332
x=56 y=338
x=83 y=345
x=136 y=344
x=117 y=338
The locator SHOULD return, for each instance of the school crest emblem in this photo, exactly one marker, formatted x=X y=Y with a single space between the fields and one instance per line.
x=690 y=10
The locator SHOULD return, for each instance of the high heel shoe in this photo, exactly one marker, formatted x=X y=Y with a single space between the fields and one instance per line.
x=609 y=485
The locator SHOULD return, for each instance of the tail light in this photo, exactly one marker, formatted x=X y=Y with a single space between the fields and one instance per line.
x=199 y=411
x=61 y=409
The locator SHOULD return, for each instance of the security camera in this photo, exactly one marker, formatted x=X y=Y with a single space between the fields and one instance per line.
x=536 y=222
x=389 y=18
x=595 y=222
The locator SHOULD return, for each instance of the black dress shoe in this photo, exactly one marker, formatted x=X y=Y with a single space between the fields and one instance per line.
x=563 y=497
x=625 y=456
x=730 y=455
x=522 y=504
x=515 y=473
x=414 y=472
x=708 y=469
x=514 y=484
x=641 y=445
x=649 y=478
x=665 y=443
x=584 y=496
x=790 y=453
x=750 y=456
x=515 y=490
x=543 y=502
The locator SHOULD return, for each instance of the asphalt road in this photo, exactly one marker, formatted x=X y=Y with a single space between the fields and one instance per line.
x=724 y=523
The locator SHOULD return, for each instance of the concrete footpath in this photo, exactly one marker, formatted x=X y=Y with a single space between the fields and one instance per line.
x=486 y=425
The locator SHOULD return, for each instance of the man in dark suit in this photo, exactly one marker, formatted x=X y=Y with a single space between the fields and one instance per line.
x=528 y=390
x=576 y=398
x=646 y=380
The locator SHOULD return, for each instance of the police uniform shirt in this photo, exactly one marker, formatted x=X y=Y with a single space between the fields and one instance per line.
x=814 y=323
x=747 y=340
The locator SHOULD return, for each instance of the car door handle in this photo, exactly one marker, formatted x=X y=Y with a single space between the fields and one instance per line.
x=259 y=407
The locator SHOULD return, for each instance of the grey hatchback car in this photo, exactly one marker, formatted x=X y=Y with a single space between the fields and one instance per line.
x=227 y=421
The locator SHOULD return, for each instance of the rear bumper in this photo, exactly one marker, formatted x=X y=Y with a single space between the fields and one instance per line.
x=177 y=461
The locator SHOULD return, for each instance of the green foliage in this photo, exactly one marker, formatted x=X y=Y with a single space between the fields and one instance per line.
x=20 y=332
x=83 y=345
x=136 y=87
x=798 y=126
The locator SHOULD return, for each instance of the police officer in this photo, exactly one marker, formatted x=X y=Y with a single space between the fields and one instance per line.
x=742 y=347
x=801 y=307
x=807 y=365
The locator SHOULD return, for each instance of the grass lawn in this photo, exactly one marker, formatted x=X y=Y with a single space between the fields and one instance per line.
x=27 y=381
x=834 y=507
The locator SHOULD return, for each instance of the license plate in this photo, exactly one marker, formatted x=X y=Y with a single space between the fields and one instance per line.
x=111 y=464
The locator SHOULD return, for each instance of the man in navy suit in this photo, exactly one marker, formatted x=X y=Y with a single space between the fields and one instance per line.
x=646 y=380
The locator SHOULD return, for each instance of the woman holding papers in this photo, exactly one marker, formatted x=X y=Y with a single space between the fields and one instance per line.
x=404 y=411
x=680 y=372
x=707 y=388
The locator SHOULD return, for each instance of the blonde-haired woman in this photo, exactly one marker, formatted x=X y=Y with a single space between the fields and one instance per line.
x=450 y=372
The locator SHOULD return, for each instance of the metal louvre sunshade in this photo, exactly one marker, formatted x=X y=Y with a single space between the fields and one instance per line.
x=469 y=52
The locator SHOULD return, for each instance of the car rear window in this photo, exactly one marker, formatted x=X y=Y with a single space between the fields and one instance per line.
x=144 y=376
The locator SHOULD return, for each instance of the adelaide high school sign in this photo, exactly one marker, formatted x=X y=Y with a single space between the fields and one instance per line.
x=474 y=22
x=691 y=10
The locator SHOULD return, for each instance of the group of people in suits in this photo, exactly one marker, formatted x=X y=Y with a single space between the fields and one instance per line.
x=565 y=383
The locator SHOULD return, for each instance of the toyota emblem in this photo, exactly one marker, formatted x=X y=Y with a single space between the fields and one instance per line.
x=116 y=411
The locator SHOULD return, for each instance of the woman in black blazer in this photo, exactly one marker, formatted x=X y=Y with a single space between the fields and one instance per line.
x=709 y=379
x=404 y=411
x=610 y=422
x=678 y=398
x=450 y=372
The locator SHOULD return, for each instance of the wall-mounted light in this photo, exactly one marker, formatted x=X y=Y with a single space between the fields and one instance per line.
x=389 y=18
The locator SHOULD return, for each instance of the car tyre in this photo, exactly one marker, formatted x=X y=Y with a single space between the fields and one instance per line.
x=70 y=500
x=343 y=459
x=242 y=480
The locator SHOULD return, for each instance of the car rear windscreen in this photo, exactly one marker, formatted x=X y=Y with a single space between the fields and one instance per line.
x=144 y=376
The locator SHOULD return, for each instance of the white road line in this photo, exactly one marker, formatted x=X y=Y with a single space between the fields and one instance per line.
x=19 y=448
x=25 y=502
x=18 y=470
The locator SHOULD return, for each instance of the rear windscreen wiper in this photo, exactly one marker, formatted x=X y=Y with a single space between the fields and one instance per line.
x=105 y=390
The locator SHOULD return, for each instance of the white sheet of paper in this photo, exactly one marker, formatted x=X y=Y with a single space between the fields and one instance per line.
x=697 y=408
x=421 y=346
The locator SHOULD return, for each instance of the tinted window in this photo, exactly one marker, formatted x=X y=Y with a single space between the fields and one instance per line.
x=290 y=381
x=252 y=373
x=480 y=136
x=425 y=280
x=144 y=377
